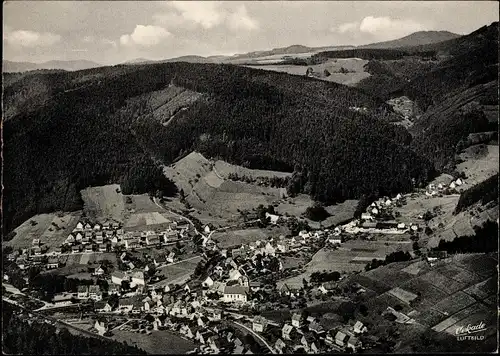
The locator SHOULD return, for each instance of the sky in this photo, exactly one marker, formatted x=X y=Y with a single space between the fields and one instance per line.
x=111 y=32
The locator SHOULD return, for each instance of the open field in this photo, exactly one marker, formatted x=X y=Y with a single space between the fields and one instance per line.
x=138 y=221
x=141 y=204
x=218 y=200
x=355 y=65
x=224 y=169
x=352 y=256
x=52 y=229
x=159 y=342
x=105 y=202
x=294 y=206
x=178 y=273
x=478 y=169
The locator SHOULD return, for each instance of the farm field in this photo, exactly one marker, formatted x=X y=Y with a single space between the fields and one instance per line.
x=51 y=229
x=218 y=200
x=333 y=66
x=161 y=341
x=224 y=169
x=352 y=256
x=105 y=202
x=478 y=169
x=177 y=273
x=141 y=221
x=141 y=204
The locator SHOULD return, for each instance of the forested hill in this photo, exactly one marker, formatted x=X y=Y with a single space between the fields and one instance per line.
x=74 y=129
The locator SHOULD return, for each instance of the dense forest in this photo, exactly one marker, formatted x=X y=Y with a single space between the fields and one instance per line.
x=485 y=192
x=24 y=336
x=94 y=127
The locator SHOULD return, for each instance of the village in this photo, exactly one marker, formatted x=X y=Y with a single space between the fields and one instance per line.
x=224 y=299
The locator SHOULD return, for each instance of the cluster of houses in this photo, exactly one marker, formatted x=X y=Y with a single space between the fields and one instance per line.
x=433 y=190
x=302 y=333
x=101 y=237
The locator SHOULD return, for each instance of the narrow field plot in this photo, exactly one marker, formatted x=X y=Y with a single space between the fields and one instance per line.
x=239 y=237
x=462 y=314
x=430 y=295
x=483 y=289
x=68 y=270
x=403 y=295
x=442 y=282
x=85 y=258
x=389 y=300
x=159 y=342
x=105 y=202
x=179 y=272
x=415 y=268
x=378 y=286
x=454 y=303
x=388 y=276
x=224 y=169
x=142 y=204
x=431 y=318
x=481 y=265
x=489 y=318
x=138 y=220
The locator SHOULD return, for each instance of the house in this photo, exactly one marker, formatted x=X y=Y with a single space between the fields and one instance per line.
x=282 y=247
x=88 y=226
x=234 y=275
x=367 y=216
x=85 y=240
x=97 y=227
x=259 y=324
x=79 y=226
x=171 y=257
x=353 y=343
x=115 y=225
x=202 y=321
x=63 y=299
x=101 y=327
x=401 y=226
x=117 y=277
x=137 y=306
x=243 y=281
x=99 y=237
x=88 y=248
x=160 y=260
x=235 y=294
x=152 y=240
x=192 y=286
x=106 y=225
x=57 y=251
x=95 y=292
x=202 y=336
x=272 y=218
x=83 y=292
x=287 y=332
x=280 y=346
x=341 y=339
x=307 y=342
x=217 y=314
x=297 y=320
x=330 y=337
x=138 y=278
x=254 y=286
x=270 y=250
x=334 y=240
x=53 y=262
x=208 y=282
x=69 y=240
x=216 y=344
x=316 y=328
x=326 y=287
x=102 y=307
x=359 y=327
x=78 y=237
x=103 y=247
x=113 y=288
x=114 y=240
x=285 y=289
x=75 y=249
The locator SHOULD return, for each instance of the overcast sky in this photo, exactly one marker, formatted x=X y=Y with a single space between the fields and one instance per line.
x=114 y=32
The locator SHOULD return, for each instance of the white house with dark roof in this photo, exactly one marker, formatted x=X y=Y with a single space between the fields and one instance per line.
x=235 y=293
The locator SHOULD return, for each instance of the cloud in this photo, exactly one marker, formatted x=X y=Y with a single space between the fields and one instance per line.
x=372 y=24
x=145 y=36
x=347 y=27
x=189 y=15
x=208 y=14
x=383 y=27
x=240 y=20
x=31 y=38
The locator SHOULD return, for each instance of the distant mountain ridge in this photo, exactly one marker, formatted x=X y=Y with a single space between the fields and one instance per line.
x=415 y=39
x=12 y=67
